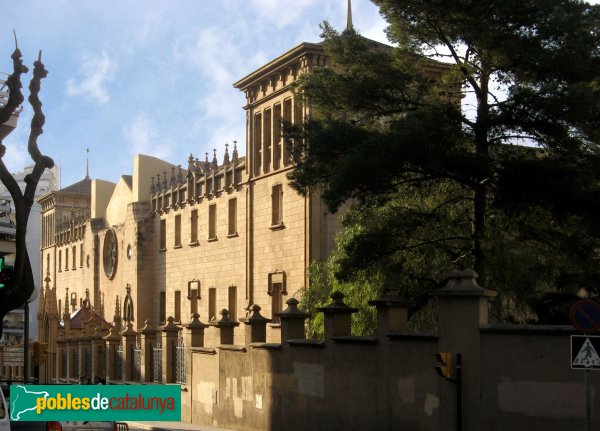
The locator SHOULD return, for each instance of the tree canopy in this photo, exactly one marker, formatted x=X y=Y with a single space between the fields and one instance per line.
x=473 y=142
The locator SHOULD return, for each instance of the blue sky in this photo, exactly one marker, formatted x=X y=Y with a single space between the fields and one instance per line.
x=152 y=77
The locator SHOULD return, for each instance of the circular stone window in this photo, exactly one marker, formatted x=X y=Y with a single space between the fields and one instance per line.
x=110 y=254
x=129 y=251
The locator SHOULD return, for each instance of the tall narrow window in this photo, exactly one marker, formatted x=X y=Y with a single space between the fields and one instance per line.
x=74 y=257
x=287 y=118
x=178 y=230
x=59 y=260
x=277 y=288
x=267 y=141
x=177 y=306
x=277 y=206
x=257 y=143
x=232 y=302
x=81 y=255
x=232 y=217
x=194 y=227
x=163 y=307
x=212 y=304
x=67 y=259
x=212 y=222
x=276 y=136
x=163 y=234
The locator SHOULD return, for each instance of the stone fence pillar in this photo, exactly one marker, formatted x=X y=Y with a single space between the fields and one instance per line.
x=225 y=328
x=113 y=341
x=338 y=317
x=392 y=314
x=170 y=335
x=130 y=336
x=60 y=360
x=463 y=308
x=148 y=339
x=194 y=336
x=98 y=354
x=255 y=327
x=292 y=321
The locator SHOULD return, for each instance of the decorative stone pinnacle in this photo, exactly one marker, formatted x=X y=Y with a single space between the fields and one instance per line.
x=463 y=283
x=226 y=156
x=235 y=151
x=337 y=304
x=214 y=160
x=225 y=314
x=179 y=175
x=196 y=323
x=173 y=181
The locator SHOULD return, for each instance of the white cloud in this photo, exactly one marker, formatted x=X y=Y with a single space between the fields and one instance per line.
x=143 y=137
x=94 y=76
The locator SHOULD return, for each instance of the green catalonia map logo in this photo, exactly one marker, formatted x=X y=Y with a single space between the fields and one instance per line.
x=95 y=402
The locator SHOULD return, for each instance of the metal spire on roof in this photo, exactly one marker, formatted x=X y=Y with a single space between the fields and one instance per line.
x=349 y=16
x=87 y=164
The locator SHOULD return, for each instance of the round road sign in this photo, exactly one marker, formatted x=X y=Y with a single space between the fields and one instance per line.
x=585 y=316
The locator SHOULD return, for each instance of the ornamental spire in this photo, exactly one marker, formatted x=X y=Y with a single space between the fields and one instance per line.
x=87 y=164
x=349 y=17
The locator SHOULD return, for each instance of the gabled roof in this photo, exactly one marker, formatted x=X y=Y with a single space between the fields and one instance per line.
x=83 y=187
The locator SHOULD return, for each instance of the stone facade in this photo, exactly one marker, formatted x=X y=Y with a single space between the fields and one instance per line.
x=169 y=241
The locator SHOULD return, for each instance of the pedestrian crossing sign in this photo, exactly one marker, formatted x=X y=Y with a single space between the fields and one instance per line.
x=585 y=352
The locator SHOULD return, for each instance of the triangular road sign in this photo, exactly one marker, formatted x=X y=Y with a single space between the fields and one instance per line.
x=587 y=356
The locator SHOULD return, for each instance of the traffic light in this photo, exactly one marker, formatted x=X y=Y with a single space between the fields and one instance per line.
x=6 y=273
x=445 y=365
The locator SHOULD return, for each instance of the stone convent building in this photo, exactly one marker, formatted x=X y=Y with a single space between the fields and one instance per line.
x=222 y=233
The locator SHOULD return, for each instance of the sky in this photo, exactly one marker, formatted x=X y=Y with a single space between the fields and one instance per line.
x=151 y=77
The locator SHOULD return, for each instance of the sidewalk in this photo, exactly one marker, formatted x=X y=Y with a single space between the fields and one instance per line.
x=169 y=426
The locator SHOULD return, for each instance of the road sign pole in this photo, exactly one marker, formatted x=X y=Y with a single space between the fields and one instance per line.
x=26 y=345
x=588 y=404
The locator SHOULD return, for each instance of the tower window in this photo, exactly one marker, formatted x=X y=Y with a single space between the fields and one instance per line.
x=178 y=230
x=163 y=234
x=232 y=302
x=232 y=217
x=194 y=227
x=212 y=222
x=277 y=206
x=212 y=304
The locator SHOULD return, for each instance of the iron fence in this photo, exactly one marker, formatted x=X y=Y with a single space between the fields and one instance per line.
x=63 y=363
x=157 y=360
x=88 y=362
x=180 y=365
x=119 y=362
x=136 y=373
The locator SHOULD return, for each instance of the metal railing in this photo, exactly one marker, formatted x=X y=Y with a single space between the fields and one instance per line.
x=136 y=374
x=157 y=361
x=88 y=363
x=119 y=362
x=180 y=365
x=63 y=363
x=75 y=366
